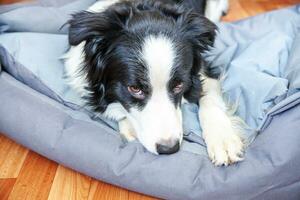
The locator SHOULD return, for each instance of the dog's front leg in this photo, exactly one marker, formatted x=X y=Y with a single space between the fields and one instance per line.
x=127 y=130
x=117 y=112
x=221 y=131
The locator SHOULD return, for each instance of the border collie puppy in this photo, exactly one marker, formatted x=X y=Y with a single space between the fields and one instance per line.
x=137 y=61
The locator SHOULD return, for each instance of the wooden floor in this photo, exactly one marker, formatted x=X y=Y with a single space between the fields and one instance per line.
x=27 y=175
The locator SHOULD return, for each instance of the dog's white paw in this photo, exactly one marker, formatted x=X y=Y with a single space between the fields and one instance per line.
x=223 y=132
x=127 y=130
x=224 y=145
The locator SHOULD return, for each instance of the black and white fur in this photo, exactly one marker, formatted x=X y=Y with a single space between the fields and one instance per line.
x=138 y=61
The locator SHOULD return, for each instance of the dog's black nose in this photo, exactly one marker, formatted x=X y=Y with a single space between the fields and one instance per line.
x=166 y=149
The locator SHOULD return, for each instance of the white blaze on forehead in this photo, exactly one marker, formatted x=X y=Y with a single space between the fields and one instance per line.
x=159 y=120
x=159 y=54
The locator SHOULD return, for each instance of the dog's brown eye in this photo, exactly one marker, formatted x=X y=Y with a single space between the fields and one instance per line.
x=136 y=92
x=178 y=88
x=134 y=89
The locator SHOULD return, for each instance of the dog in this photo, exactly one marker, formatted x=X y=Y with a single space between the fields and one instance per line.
x=137 y=61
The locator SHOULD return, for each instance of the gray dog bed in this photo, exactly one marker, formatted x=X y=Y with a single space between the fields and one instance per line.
x=260 y=57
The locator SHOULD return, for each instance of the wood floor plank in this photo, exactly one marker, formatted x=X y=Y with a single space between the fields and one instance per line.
x=267 y=6
x=252 y=7
x=12 y=157
x=69 y=185
x=35 y=178
x=6 y=186
x=13 y=1
x=236 y=11
x=103 y=191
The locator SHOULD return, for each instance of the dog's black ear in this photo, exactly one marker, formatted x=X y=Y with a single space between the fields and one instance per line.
x=199 y=30
x=83 y=26
x=87 y=25
x=100 y=32
x=200 y=33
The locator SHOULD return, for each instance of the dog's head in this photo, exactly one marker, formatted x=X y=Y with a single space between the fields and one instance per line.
x=146 y=56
